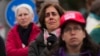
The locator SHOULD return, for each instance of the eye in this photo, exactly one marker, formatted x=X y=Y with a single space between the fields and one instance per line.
x=67 y=29
x=20 y=15
x=25 y=14
x=54 y=13
x=47 y=14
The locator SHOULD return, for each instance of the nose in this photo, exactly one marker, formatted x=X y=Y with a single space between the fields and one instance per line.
x=72 y=32
x=51 y=15
x=22 y=16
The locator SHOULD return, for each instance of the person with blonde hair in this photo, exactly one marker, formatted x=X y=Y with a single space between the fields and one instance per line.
x=25 y=31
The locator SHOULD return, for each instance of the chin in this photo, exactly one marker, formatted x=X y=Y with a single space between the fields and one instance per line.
x=24 y=25
x=74 y=44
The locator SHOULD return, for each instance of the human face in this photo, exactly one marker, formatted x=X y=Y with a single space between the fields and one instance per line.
x=24 y=17
x=73 y=35
x=52 y=18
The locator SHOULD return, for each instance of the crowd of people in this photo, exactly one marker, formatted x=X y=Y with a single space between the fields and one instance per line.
x=59 y=32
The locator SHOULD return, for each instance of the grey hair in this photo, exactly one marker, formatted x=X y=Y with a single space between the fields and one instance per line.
x=25 y=6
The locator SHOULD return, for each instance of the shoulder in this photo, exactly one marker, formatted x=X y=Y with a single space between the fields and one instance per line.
x=13 y=30
x=35 y=27
x=33 y=44
x=38 y=39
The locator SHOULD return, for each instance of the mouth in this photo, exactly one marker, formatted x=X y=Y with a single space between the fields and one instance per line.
x=73 y=39
x=51 y=22
x=23 y=22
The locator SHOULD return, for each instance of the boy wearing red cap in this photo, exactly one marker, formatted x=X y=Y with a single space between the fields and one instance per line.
x=74 y=40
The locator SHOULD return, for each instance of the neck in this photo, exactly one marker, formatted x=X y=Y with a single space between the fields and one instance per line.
x=51 y=30
x=25 y=27
x=73 y=49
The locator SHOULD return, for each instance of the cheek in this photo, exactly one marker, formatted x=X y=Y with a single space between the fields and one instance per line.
x=65 y=37
x=29 y=18
x=18 y=19
x=57 y=19
x=81 y=36
x=57 y=22
x=46 y=20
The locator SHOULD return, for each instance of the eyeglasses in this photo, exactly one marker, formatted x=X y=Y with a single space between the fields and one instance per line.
x=69 y=29
x=50 y=13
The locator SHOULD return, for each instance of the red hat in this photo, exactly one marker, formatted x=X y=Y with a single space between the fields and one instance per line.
x=74 y=16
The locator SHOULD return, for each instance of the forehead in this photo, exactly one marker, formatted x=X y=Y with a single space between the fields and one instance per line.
x=51 y=8
x=22 y=9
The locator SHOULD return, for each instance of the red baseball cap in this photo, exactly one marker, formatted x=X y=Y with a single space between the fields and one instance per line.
x=72 y=15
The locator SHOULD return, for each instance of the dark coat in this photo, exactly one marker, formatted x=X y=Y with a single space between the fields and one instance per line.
x=36 y=48
x=2 y=47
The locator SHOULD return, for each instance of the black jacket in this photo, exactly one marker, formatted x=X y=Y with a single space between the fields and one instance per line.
x=2 y=47
x=36 y=48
